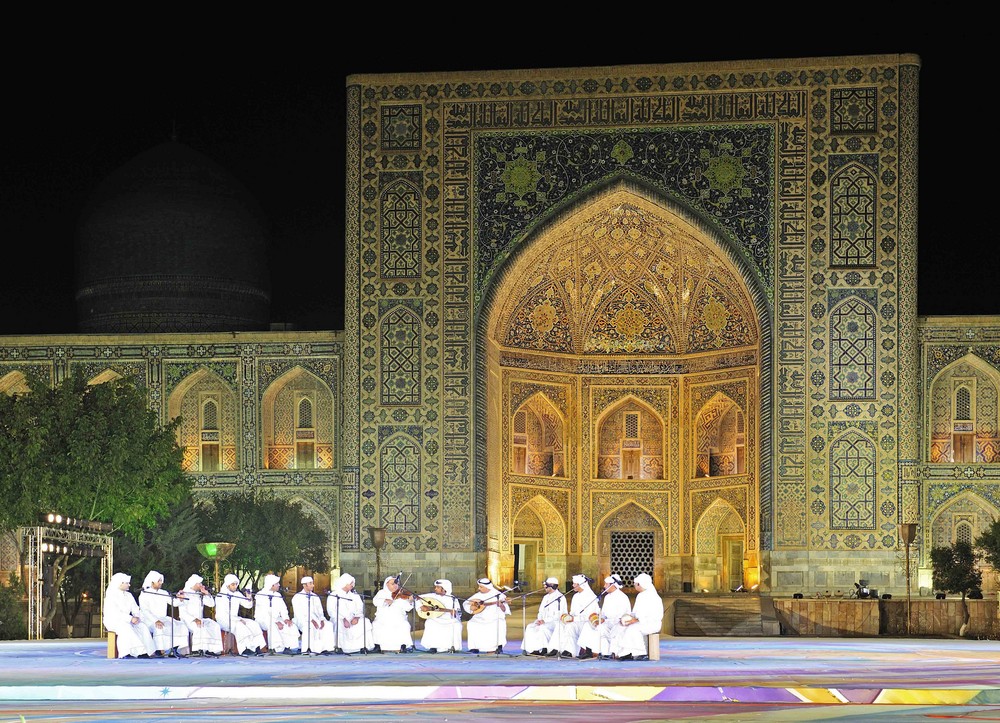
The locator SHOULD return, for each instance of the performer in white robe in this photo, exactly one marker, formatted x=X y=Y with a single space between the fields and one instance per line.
x=486 y=630
x=307 y=608
x=614 y=606
x=391 y=627
x=580 y=607
x=206 y=635
x=249 y=636
x=170 y=636
x=443 y=627
x=271 y=614
x=539 y=633
x=123 y=617
x=647 y=614
x=352 y=630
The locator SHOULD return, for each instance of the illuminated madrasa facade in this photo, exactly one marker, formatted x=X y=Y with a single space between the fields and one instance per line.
x=635 y=319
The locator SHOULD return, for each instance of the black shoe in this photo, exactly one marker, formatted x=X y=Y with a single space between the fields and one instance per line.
x=641 y=657
x=158 y=654
x=432 y=650
x=586 y=655
x=128 y=657
x=604 y=657
x=499 y=649
x=377 y=648
x=246 y=653
x=402 y=648
x=627 y=656
x=474 y=651
x=552 y=654
x=259 y=653
x=144 y=656
x=565 y=654
x=543 y=652
x=211 y=654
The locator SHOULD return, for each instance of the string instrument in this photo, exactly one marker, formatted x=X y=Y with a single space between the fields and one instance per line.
x=477 y=606
x=437 y=608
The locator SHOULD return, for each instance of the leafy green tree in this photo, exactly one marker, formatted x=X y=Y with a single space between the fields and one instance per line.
x=169 y=547
x=988 y=543
x=271 y=534
x=955 y=570
x=12 y=626
x=87 y=451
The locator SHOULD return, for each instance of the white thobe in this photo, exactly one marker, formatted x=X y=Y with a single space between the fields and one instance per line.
x=442 y=631
x=317 y=633
x=391 y=627
x=207 y=636
x=227 y=613
x=542 y=630
x=344 y=609
x=616 y=604
x=580 y=607
x=133 y=638
x=155 y=605
x=648 y=611
x=487 y=629
x=271 y=612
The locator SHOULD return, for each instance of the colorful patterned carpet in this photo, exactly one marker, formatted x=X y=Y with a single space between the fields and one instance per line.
x=786 y=678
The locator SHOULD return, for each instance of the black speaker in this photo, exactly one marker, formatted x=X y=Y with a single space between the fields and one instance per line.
x=940 y=596
x=686 y=586
x=886 y=596
x=797 y=596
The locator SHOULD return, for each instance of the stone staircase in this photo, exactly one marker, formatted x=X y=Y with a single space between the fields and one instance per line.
x=724 y=614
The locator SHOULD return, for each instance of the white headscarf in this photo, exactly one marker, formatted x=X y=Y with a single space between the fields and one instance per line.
x=306 y=579
x=114 y=584
x=192 y=581
x=445 y=585
x=343 y=581
x=151 y=577
x=580 y=579
x=230 y=579
x=552 y=581
x=269 y=581
x=645 y=581
x=613 y=580
x=385 y=585
x=487 y=582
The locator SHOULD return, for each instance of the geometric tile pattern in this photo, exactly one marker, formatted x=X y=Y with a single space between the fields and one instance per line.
x=852 y=482
x=853 y=209
x=853 y=110
x=852 y=350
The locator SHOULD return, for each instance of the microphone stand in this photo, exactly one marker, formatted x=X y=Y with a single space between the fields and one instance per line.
x=524 y=608
x=337 y=623
x=172 y=653
x=561 y=597
x=596 y=599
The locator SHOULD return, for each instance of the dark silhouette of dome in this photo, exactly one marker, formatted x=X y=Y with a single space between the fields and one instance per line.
x=171 y=242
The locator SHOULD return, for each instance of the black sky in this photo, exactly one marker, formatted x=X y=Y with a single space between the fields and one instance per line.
x=278 y=126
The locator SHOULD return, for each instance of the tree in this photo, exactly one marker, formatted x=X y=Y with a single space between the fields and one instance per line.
x=271 y=534
x=169 y=547
x=988 y=542
x=955 y=571
x=87 y=451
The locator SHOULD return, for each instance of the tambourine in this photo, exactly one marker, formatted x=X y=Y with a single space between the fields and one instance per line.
x=566 y=618
x=628 y=619
x=595 y=619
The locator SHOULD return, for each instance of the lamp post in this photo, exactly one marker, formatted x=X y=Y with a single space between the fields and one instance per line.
x=377 y=536
x=215 y=551
x=908 y=532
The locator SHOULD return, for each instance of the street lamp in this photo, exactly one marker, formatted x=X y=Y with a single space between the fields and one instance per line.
x=215 y=551
x=908 y=532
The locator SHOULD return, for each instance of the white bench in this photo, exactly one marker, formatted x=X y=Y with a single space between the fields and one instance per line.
x=653 y=646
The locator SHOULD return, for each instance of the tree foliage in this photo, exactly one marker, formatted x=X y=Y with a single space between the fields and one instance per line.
x=955 y=570
x=169 y=547
x=271 y=534
x=86 y=451
x=988 y=542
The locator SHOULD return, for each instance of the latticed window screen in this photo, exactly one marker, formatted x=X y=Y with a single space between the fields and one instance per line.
x=963 y=532
x=631 y=425
x=520 y=422
x=632 y=554
x=963 y=403
x=210 y=415
x=305 y=413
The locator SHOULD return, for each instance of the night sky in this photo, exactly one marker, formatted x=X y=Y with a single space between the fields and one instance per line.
x=279 y=128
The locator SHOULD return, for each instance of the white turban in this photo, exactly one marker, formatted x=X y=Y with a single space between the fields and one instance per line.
x=445 y=585
x=613 y=580
x=192 y=581
x=306 y=579
x=580 y=579
x=230 y=579
x=343 y=581
x=270 y=581
x=151 y=577
x=114 y=585
x=644 y=580
x=552 y=582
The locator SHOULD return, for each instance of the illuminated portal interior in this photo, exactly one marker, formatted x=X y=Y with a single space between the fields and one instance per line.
x=623 y=401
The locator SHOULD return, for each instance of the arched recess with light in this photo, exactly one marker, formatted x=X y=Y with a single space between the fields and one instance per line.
x=622 y=294
x=208 y=433
x=297 y=422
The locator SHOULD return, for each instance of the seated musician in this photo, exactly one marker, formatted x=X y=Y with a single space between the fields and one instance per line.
x=391 y=627
x=540 y=635
x=352 y=630
x=487 y=628
x=646 y=618
x=443 y=618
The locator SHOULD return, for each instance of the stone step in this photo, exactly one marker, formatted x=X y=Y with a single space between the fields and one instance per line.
x=718 y=616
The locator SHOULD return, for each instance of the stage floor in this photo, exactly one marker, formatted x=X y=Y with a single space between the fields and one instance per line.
x=787 y=678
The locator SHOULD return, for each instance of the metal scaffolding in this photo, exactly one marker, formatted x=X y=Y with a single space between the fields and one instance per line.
x=77 y=543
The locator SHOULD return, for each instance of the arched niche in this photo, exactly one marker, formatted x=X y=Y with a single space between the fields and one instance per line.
x=297 y=422
x=538 y=438
x=630 y=438
x=964 y=413
x=539 y=537
x=964 y=517
x=209 y=429
x=720 y=438
x=630 y=540
x=720 y=547
x=14 y=383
